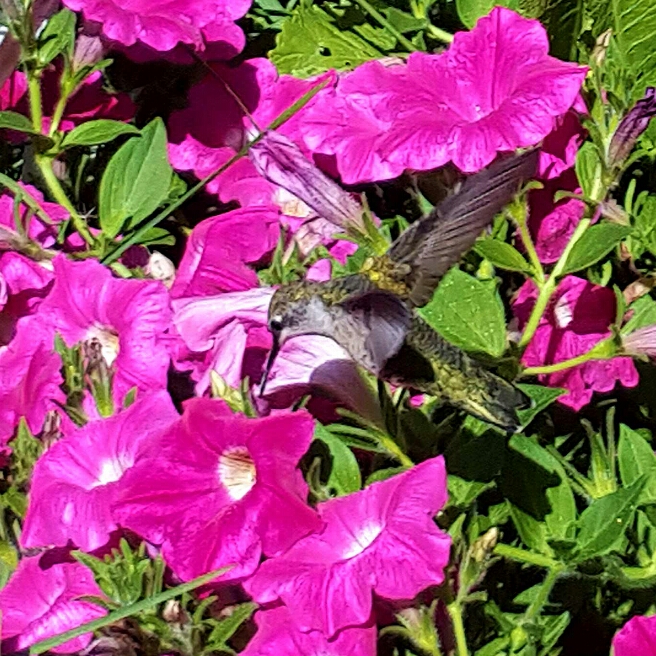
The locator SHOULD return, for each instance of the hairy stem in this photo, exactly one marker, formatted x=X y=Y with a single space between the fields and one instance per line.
x=523 y=556
x=36 y=109
x=455 y=613
x=543 y=593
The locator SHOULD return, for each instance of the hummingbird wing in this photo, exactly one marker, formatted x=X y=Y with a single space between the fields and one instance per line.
x=378 y=325
x=432 y=245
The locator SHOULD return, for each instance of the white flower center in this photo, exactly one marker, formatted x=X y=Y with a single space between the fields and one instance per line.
x=112 y=469
x=563 y=312
x=109 y=342
x=362 y=539
x=237 y=472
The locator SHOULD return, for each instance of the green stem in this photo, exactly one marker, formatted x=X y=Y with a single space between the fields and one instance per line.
x=565 y=364
x=58 y=113
x=455 y=612
x=527 y=240
x=393 y=449
x=372 y=11
x=440 y=34
x=36 y=109
x=523 y=556
x=45 y=166
x=126 y=611
x=158 y=218
x=543 y=594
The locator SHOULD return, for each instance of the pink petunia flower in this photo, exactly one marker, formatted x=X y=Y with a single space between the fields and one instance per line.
x=25 y=284
x=560 y=146
x=29 y=378
x=382 y=539
x=163 y=24
x=278 y=635
x=636 y=638
x=220 y=248
x=495 y=89
x=128 y=318
x=76 y=481
x=577 y=319
x=40 y=603
x=221 y=489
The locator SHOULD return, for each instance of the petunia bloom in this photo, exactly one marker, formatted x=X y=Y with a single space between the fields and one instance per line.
x=636 y=638
x=30 y=378
x=380 y=540
x=495 y=89
x=127 y=317
x=40 y=603
x=577 y=319
x=162 y=25
x=76 y=481
x=277 y=635
x=221 y=489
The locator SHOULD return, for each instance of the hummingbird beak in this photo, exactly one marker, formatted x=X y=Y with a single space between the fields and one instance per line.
x=275 y=348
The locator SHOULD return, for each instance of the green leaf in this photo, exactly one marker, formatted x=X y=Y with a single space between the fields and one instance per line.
x=345 y=474
x=403 y=21
x=15 y=121
x=636 y=458
x=156 y=237
x=225 y=628
x=96 y=132
x=643 y=314
x=309 y=43
x=58 y=37
x=635 y=26
x=588 y=167
x=25 y=451
x=542 y=397
x=596 y=242
x=502 y=255
x=605 y=520
x=470 y=11
x=468 y=313
x=463 y=492
x=136 y=180
x=563 y=20
x=532 y=531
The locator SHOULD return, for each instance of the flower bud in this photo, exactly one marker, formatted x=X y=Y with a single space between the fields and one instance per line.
x=631 y=127
x=641 y=342
x=89 y=50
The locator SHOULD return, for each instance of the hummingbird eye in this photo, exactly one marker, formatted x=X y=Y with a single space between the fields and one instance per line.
x=275 y=325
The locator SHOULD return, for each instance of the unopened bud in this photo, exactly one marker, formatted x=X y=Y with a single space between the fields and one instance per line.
x=482 y=548
x=89 y=50
x=631 y=127
x=159 y=267
x=601 y=48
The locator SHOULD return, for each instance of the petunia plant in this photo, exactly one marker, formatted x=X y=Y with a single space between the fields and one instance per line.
x=179 y=480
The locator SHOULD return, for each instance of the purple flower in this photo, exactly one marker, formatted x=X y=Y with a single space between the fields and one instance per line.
x=278 y=635
x=221 y=489
x=631 y=127
x=40 y=603
x=127 y=317
x=382 y=539
x=163 y=24
x=76 y=481
x=577 y=319
x=495 y=89
x=636 y=638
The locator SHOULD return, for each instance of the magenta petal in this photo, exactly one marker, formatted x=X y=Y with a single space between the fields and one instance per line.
x=40 y=603
x=636 y=638
x=278 y=635
x=327 y=579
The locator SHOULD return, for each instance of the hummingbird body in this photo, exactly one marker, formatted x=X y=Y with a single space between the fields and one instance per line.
x=371 y=313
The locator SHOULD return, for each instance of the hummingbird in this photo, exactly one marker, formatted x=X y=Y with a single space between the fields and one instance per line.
x=372 y=314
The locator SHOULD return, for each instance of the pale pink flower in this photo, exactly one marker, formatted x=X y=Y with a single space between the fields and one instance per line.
x=25 y=284
x=162 y=24
x=636 y=638
x=221 y=489
x=495 y=89
x=278 y=635
x=40 y=603
x=128 y=318
x=76 y=481
x=220 y=248
x=641 y=342
x=578 y=318
x=381 y=540
x=29 y=378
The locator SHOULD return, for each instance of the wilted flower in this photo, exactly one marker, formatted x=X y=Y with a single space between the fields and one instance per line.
x=220 y=248
x=29 y=378
x=381 y=540
x=577 y=319
x=76 y=481
x=631 y=127
x=163 y=25
x=40 y=603
x=463 y=105
x=641 y=342
x=278 y=635
x=636 y=638
x=221 y=489
x=128 y=318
